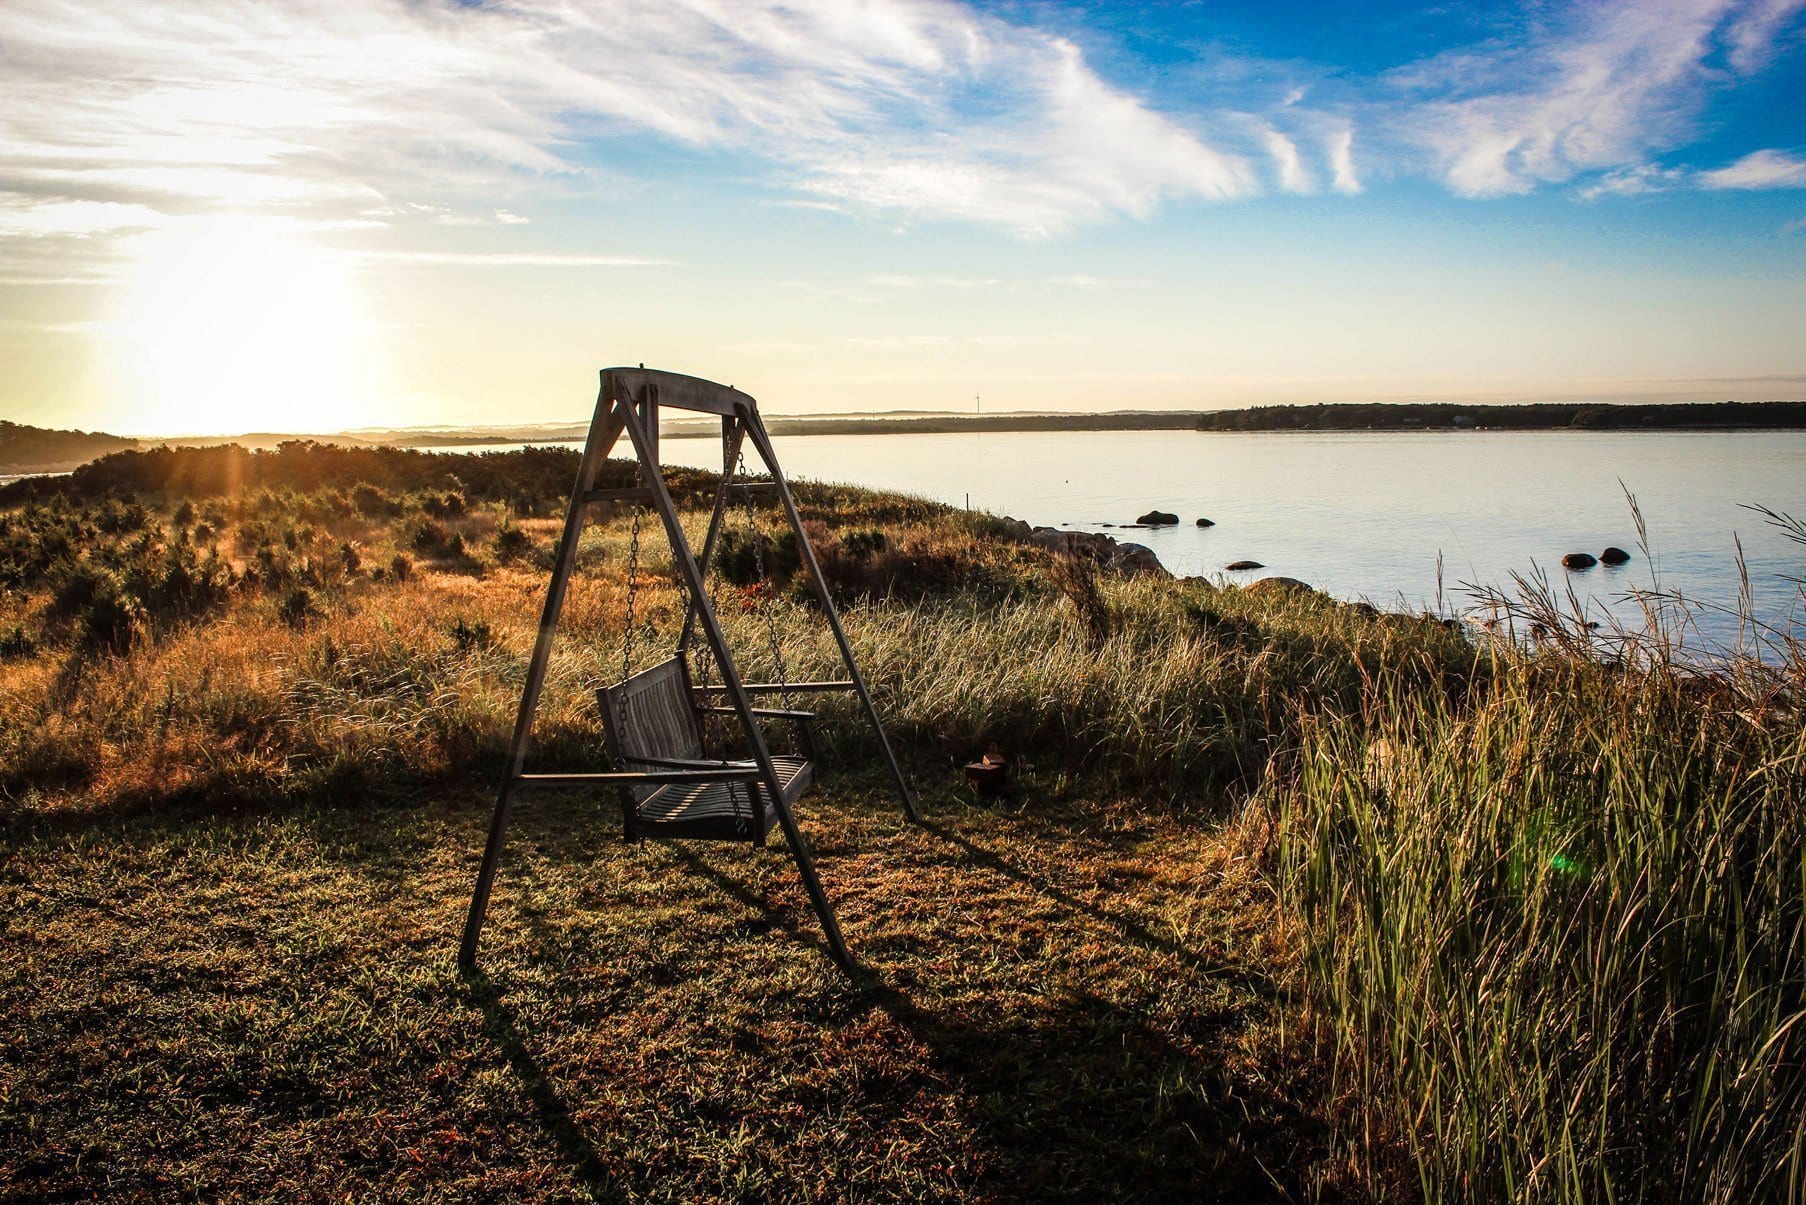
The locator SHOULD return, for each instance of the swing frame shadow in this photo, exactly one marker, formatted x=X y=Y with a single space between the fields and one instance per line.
x=628 y=402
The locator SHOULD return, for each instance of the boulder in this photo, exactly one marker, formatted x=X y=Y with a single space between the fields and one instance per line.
x=1207 y=523
x=1137 y=561
x=1578 y=560
x=1277 y=585
x=1237 y=566
x=1134 y=560
x=1614 y=556
x=1158 y=518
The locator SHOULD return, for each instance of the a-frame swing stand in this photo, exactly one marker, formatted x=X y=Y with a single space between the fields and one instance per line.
x=629 y=402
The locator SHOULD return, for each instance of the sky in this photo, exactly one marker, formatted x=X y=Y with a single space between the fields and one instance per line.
x=302 y=215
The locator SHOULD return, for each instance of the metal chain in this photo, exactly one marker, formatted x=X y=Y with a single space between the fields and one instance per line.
x=633 y=590
x=702 y=661
x=687 y=638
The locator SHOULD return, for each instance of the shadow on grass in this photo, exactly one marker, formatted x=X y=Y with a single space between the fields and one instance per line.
x=1087 y=1099
x=554 y=1114
x=1130 y=928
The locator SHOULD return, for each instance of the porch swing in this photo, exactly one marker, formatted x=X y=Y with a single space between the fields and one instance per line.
x=658 y=718
x=668 y=784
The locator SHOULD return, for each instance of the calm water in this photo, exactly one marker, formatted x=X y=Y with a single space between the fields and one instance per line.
x=1366 y=514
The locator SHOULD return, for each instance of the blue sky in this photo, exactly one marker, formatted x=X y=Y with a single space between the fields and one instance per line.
x=219 y=215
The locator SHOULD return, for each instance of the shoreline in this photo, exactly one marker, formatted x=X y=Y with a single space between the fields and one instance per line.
x=1353 y=417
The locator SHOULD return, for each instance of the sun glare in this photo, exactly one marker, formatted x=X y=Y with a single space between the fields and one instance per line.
x=228 y=325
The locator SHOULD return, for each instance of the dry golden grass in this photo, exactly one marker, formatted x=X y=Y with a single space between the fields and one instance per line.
x=239 y=854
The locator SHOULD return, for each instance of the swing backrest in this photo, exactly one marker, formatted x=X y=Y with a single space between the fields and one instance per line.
x=651 y=714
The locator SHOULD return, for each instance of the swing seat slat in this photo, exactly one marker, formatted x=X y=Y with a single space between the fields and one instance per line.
x=649 y=722
x=719 y=810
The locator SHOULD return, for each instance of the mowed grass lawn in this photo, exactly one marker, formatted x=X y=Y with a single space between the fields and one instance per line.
x=1075 y=1000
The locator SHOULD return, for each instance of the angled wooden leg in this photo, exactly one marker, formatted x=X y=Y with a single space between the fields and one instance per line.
x=605 y=428
x=736 y=690
x=755 y=430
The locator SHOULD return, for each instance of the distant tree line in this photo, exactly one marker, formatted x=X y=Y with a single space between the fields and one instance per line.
x=1394 y=416
x=35 y=447
x=1138 y=420
x=528 y=480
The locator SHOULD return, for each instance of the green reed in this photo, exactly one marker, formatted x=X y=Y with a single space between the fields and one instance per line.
x=1555 y=932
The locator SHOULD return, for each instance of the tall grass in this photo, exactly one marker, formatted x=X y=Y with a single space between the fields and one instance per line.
x=1555 y=929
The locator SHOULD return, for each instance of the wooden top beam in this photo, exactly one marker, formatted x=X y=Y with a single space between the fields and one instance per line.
x=675 y=390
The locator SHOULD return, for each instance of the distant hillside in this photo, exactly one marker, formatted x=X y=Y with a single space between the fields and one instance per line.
x=531 y=481
x=1394 y=416
x=257 y=441
x=1120 y=420
x=38 y=448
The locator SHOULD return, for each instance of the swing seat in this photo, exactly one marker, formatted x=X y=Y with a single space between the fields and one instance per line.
x=649 y=722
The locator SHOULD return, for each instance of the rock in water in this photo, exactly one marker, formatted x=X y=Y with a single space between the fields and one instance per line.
x=1239 y=565
x=1207 y=523
x=1614 y=556
x=1158 y=518
x=1578 y=560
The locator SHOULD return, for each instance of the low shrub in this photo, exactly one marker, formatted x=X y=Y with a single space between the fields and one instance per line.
x=111 y=619
x=511 y=543
x=16 y=643
x=298 y=606
x=467 y=635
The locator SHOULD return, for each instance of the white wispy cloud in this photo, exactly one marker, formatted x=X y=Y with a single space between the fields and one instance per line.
x=35 y=218
x=1760 y=169
x=909 y=108
x=1752 y=32
x=1339 y=148
x=1293 y=177
x=1633 y=181
x=1600 y=89
x=116 y=116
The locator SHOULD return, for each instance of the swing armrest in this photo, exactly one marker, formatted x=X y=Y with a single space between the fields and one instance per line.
x=770 y=713
x=694 y=763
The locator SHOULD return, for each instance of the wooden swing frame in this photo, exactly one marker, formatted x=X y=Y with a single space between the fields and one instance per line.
x=628 y=402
